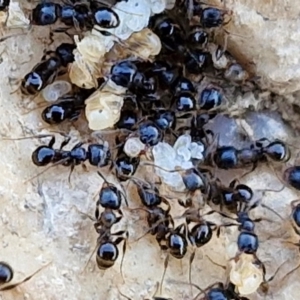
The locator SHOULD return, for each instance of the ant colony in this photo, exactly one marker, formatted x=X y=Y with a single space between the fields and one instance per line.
x=181 y=210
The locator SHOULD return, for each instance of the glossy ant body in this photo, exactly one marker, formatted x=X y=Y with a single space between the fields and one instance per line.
x=124 y=166
x=170 y=239
x=66 y=108
x=233 y=197
x=53 y=64
x=129 y=74
x=79 y=15
x=228 y=157
x=110 y=199
x=219 y=291
x=98 y=155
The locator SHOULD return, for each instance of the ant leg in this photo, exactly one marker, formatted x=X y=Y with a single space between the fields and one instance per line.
x=12 y=286
x=216 y=264
x=297 y=231
x=188 y=203
x=233 y=183
x=252 y=170
x=65 y=142
x=165 y=201
x=190 y=266
x=218 y=212
x=294 y=203
x=118 y=241
x=78 y=145
x=274 y=275
x=84 y=214
x=39 y=136
x=290 y=272
x=71 y=171
x=123 y=294
x=258 y=202
x=224 y=225
x=166 y=262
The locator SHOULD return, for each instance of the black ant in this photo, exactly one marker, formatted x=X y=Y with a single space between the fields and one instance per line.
x=124 y=165
x=161 y=224
x=228 y=157
x=110 y=198
x=66 y=108
x=232 y=197
x=128 y=73
x=79 y=15
x=129 y=114
x=46 y=71
x=247 y=241
x=7 y=274
x=98 y=155
x=201 y=233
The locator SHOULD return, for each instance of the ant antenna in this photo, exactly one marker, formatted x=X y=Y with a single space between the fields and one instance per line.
x=192 y=284
x=166 y=262
x=45 y=170
x=12 y=286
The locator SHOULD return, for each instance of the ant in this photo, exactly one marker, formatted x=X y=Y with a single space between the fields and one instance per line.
x=98 y=155
x=201 y=233
x=7 y=274
x=128 y=74
x=232 y=197
x=124 y=165
x=78 y=15
x=66 y=108
x=169 y=238
x=247 y=241
x=228 y=157
x=46 y=71
x=110 y=198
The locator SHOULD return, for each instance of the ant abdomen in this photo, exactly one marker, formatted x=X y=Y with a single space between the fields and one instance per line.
x=43 y=156
x=6 y=273
x=107 y=254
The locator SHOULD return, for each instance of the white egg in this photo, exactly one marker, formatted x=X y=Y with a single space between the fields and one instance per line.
x=133 y=147
x=170 y=4
x=56 y=90
x=157 y=6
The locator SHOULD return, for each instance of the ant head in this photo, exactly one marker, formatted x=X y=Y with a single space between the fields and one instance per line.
x=277 y=151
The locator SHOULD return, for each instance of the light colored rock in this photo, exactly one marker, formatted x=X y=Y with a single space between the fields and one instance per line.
x=269 y=42
x=39 y=222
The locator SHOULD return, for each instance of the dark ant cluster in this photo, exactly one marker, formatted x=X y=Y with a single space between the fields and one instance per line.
x=160 y=109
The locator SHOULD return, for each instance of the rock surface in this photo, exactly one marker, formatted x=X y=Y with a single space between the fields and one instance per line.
x=39 y=218
x=265 y=36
